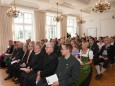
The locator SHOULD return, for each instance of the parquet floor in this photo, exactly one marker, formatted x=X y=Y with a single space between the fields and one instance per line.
x=108 y=78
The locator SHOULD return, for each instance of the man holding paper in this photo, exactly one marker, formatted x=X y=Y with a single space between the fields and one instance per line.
x=67 y=70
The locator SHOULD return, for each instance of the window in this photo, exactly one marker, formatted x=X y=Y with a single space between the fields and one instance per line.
x=52 y=27
x=71 y=26
x=23 y=27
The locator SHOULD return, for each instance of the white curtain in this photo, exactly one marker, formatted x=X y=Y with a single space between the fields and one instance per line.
x=40 y=18
x=64 y=27
x=5 y=29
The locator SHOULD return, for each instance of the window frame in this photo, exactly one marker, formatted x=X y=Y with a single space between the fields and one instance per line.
x=55 y=26
x=74 y=25
x=23 y=24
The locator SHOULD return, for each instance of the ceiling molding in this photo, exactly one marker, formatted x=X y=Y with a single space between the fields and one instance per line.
x=6 y=2
x=67 y=5
x=86 y=2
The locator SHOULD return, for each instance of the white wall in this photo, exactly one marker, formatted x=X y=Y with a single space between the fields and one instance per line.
x=102 y=21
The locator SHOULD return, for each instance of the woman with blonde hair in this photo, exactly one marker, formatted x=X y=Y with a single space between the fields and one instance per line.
x=86 y=58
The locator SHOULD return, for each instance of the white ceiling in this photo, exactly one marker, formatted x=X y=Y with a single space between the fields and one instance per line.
x=71 y=7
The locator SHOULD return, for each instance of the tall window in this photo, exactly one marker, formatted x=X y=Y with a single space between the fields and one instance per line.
x=23 y=27
x=52 y=27
x=71 y=26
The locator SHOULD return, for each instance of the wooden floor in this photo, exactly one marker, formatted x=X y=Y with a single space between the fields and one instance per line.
x=108 y=78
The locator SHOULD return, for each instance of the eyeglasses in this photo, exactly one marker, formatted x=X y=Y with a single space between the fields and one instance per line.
x=30 y=46
x=47 y=47
x=63 y=49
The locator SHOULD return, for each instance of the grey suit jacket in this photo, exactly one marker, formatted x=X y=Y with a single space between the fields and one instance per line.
x=68 y=71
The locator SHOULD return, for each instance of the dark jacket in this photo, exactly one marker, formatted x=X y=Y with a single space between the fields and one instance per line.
x=36 y=62
x=95 y=50
x=110 y=52
x=30 y=58
x=58 y=52
x=19 y=54
x=49 y=65
x=24 y=57
x=68 y=71
x=15 y=51
x=43 y=49
x=10 y=49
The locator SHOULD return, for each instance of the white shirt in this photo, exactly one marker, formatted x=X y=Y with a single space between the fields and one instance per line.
x=89 y=54
x=100 y=45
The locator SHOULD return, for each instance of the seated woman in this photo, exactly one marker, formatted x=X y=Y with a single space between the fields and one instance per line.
x=86 y=57
x=75 y=50
x=8 y=52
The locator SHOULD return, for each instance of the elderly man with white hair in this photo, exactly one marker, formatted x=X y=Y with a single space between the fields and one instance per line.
x=106 y=55
x=48 y=67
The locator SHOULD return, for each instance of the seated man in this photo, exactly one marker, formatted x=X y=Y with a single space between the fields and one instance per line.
x=7 y=58
x=34 y=65
x=67 y=70
x=16 y=66
x=47 y=68
x=15 y=58
x=106 y=55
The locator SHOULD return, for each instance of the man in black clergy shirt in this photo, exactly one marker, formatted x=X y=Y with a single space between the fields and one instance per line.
x=48 y=67
x=67 y=70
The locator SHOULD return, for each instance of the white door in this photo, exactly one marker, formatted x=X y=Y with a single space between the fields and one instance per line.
x=92 y=32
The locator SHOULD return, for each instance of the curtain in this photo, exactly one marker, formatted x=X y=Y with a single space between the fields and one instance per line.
x=79 y=27
x=40 y=18
x=64 y=27
x=5 y=29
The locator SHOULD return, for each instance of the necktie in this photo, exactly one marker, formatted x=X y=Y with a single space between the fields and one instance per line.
x=28 y=57
x=23 y=56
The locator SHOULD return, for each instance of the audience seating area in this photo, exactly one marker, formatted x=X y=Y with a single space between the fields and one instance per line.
x=25 y=55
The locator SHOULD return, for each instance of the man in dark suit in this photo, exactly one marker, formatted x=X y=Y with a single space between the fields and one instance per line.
x=27 y=61
x=112 y=39
x=53 y=41
x=16 y=56
x=34 y=65
x=61 y=41
x=67 y=70
x=94 y=47
x=47 y=68
x=16 y=66
x=43 y=46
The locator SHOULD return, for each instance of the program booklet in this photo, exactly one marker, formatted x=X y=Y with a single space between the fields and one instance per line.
x=51 y=79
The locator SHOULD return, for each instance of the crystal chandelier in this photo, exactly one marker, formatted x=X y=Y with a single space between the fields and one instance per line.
x=58 y=17
x=101 y=6
x=80 y=19
x=12 y=12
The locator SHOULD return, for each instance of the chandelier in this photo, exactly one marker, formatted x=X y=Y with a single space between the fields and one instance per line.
x=80 y=19
x=58 y=17
x=101 y=6
x=12 y=12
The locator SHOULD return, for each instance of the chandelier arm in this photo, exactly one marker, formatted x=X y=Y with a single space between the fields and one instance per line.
x=57 y=9
x=81 y=14
x=14 y=4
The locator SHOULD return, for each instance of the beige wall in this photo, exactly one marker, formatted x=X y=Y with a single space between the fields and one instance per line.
x=102 y=21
